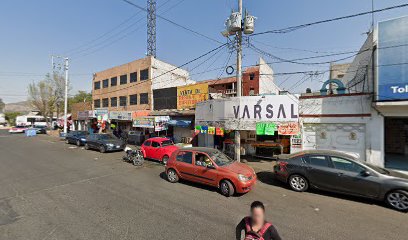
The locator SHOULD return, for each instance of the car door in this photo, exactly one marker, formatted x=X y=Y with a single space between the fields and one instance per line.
x=205 y=170
x=91 y=142
x=147 y=148
x=352 y=178
x=184 y=165
x=155 y=150
x=320 y=172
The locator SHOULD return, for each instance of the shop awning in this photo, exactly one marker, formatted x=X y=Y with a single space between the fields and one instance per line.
x=179 y=123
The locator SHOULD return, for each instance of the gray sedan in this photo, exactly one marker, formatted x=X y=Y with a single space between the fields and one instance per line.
x=338 y=172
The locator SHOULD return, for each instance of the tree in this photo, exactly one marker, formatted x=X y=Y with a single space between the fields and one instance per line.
x=11 y=117
x=42 y=96
x=2 y=105
x=81 y=96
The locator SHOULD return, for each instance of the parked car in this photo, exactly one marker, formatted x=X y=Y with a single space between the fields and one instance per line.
x=339 y=172
x=104 y=143
x=211 y=167
x=18 y=129
x=40 y=129
x=158 y=148
x=76 y=137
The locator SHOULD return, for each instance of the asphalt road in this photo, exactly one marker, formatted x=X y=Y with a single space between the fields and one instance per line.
x=50 y=190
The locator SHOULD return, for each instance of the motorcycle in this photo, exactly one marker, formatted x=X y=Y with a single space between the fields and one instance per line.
x=134 y=156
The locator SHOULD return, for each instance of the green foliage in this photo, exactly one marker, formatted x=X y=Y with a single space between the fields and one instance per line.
x=2 y=105
x=81 y=96
x=11 y=117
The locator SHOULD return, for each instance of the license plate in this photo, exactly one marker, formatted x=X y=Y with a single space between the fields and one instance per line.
x=117 y=146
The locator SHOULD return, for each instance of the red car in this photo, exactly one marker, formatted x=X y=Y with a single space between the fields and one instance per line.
x=158 y=149
x=211 y=167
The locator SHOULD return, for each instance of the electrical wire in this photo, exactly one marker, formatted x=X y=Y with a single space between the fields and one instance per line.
x=172 y=22
x=294 y=28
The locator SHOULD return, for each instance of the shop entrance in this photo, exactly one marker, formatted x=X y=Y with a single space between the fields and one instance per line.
x=396 y=143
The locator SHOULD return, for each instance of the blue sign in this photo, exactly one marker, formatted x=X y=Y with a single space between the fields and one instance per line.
x=393 y=60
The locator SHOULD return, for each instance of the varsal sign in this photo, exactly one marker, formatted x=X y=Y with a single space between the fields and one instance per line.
x=266 y=111
x=243 y=113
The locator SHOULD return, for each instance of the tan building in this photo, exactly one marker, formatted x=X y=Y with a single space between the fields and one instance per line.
x=128 y=87
x=338 y=71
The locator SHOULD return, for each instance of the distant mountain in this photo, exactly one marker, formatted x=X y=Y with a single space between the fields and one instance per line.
x=23 y=107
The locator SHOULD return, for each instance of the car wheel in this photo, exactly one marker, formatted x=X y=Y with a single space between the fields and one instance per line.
x=298 y=183
x=86 y=146
x=226 y=188
x=165 y=159
x=78 y=143
x=102 y=149
x=66 y=141
x=172 y=176
x=398 y=200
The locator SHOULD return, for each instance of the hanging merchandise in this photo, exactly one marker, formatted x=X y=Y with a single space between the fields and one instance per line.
x=204 y=129
x=219 y=132
x=270 y=129
x=197 y=130
x=260 y=128
x=211 y=130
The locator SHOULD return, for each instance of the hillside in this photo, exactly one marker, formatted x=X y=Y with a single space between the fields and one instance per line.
x=22 y=107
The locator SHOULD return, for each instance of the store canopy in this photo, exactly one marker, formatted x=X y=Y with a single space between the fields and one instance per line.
x=179 y=123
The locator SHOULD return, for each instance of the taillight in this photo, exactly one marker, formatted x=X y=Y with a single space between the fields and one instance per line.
x=282 y=166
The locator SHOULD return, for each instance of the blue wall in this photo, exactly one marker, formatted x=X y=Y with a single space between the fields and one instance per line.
x=393 y=59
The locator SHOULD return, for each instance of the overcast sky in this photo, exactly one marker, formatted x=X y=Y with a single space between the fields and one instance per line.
x=98 y=34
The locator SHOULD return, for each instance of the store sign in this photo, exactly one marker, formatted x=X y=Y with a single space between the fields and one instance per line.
x=100 y=112
x=120 y=115
x=83 y=115
x=140 y=113
x=188 y=96
x=144 y=122
x=243 y=113
x=392 y=53
x=291 y=128
x=157 y=123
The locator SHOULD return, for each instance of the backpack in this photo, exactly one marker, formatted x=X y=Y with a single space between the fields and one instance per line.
x=251 y=235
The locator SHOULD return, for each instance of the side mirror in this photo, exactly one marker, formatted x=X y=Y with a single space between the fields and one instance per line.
x=365 y=173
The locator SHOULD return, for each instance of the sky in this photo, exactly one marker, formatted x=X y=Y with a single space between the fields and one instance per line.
x=99 y=34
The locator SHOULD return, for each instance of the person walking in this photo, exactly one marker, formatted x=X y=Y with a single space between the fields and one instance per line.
x=255 y=226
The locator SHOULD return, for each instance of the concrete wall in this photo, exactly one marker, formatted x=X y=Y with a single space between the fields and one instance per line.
x=344 y=123
x=266 y=80
x=178 y=77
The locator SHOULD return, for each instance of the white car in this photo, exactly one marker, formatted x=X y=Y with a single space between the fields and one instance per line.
x=18 y=129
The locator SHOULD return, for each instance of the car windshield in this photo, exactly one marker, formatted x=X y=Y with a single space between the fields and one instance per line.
x=20 y=127
x=379 y=169
x=106 y=137
x=167 y=143
x=220 y=158
x=81 y=133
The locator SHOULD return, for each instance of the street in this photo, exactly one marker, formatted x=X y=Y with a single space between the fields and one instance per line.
x=50 y=190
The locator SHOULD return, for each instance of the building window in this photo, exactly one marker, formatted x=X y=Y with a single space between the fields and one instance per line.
x=114 y=81
x=251 y=92
x=105 y=102
x=97 y=85
x=133 y=77
x=144 y=98
x=133 y=99
x=123 y=101
x=144 y=74
x=97 y=103
x=123 y=79
x=105 y=83
x=114 y=102
x=252 y=76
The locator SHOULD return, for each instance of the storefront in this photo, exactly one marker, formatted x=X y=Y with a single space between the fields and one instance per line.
x=84 y=120
x=120 y=120
x=152 y=126
x=267 y=124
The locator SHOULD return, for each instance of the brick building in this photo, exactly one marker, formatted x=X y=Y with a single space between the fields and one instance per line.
x=129 y=87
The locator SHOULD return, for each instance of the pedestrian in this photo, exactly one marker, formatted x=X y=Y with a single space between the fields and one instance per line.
x=255 y=226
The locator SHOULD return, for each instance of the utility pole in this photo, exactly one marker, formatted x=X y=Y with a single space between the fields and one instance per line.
x=239 y=83
x=66 y=67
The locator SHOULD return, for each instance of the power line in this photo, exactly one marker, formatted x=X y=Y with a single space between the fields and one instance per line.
x=294 y=28
x=174 y=23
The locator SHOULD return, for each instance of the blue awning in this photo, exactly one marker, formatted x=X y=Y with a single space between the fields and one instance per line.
x=179 y=123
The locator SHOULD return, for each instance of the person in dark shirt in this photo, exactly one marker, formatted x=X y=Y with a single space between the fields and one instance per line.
x=255 y=226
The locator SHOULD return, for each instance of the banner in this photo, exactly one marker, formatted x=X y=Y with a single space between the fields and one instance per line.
x=211 y=130
x=188 y=96
x=120 y=115
x=291 y=128
x=219 y=132
x=260 y=128
x=270 y=129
